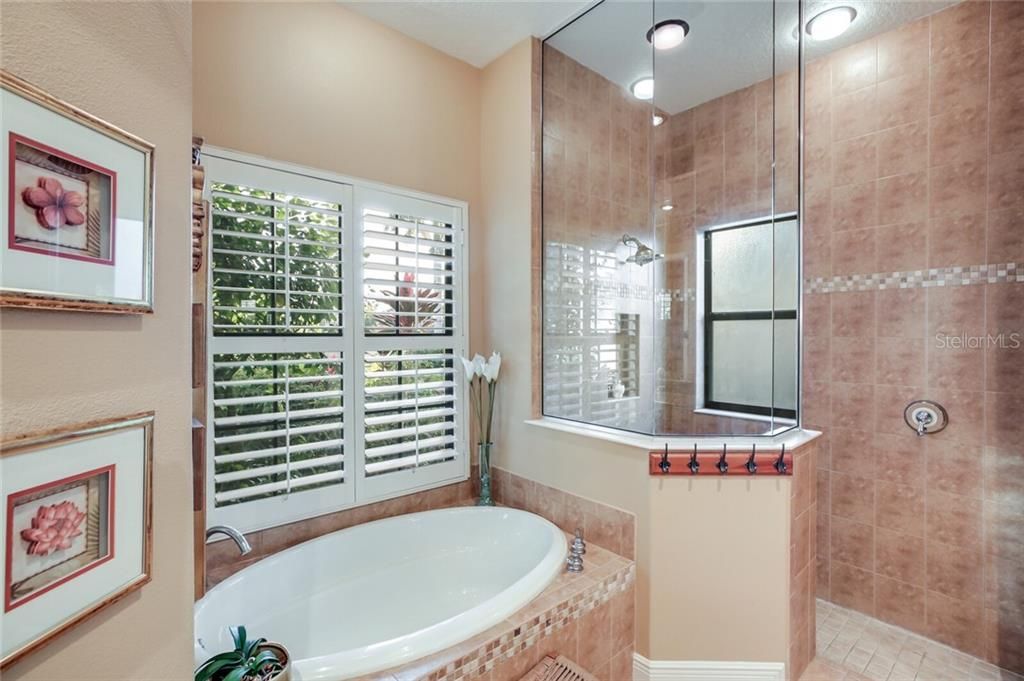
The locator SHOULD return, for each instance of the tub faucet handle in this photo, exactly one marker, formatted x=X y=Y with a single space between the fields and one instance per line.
x=579 y=547
x=574 y=563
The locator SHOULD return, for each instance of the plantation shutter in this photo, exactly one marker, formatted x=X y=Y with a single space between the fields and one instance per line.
x=413 y=333
x=337 y=317
x=282 y=445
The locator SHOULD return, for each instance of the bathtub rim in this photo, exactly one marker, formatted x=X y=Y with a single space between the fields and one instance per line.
x=471 y=622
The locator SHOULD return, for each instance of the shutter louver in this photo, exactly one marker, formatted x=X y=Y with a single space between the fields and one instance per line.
x=410 y=409
x=408 y=275
x=278 y=424
x=277 y=263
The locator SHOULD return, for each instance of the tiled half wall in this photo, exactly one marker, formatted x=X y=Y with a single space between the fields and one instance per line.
x=914 y=239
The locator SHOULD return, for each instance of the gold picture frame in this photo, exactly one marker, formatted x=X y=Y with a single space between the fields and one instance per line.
x=83 y=198
x=73 y=468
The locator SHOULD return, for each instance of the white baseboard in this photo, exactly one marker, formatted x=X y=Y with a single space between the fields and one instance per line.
x=695 y=670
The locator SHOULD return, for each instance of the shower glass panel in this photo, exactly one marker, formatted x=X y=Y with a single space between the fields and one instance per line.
x=670 y=217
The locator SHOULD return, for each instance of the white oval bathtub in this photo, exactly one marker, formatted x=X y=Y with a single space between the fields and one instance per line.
x=388 y=592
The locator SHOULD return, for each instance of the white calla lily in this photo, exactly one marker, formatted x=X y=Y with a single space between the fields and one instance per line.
x=492 y=367
x=468 y=368
x=479 y=364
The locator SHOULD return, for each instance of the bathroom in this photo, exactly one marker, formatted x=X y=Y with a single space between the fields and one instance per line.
x=744 y=279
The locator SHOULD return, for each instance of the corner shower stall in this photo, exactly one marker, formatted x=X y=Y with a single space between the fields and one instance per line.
x=670 y=204
x=759 y=216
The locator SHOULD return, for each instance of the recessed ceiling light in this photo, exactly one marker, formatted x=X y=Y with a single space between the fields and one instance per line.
x=643 y=88
x=667 y=206
x=657 y=119
x=665 y=35
x=831 y=23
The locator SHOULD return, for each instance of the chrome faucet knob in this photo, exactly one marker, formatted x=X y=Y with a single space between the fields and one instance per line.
x=579 y=547
x=573 y=563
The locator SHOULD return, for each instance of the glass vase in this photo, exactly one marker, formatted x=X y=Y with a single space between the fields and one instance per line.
x=484 y=452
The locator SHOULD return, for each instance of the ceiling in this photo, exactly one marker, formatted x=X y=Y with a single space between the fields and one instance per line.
x=729 y=46
x=475 y=31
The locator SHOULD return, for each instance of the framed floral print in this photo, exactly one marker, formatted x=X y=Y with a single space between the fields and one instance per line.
x=77 y=202
x=75 y=526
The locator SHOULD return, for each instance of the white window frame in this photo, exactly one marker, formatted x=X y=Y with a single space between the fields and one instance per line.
x=355 y=195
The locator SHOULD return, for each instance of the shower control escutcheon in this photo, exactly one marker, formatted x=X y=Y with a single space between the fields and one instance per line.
x=925 y=417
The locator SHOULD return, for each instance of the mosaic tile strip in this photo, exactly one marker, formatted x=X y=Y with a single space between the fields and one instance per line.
x=514 y=641
x=942 y=276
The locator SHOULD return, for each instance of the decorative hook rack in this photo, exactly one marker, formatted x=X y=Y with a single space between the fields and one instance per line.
x=759 y=461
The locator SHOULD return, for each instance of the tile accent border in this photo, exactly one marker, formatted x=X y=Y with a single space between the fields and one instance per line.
x=940 y=276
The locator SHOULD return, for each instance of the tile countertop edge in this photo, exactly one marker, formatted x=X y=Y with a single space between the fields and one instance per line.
x=793 y=438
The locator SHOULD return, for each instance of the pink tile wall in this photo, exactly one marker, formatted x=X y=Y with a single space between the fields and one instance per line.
x=802 y=563
x=914 y=160
x=713 y=163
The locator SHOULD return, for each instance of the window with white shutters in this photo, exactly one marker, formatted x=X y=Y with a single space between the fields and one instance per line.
x=412 y=397
x=323 y=393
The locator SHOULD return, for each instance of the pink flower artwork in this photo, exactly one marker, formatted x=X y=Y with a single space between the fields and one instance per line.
x=55 y=207
x=53 y=528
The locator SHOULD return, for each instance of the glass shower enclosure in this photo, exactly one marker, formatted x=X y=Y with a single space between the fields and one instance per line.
x=671 y=204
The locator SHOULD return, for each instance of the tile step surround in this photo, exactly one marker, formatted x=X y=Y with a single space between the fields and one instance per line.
x=588 y=617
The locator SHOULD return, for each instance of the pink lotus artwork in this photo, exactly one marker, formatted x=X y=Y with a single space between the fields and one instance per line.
x=53 y=528
x=55 y=207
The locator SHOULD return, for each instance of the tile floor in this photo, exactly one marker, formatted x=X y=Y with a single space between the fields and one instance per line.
x=855 y=647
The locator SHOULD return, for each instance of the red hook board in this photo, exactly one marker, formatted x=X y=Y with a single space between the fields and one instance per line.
x=680 y=460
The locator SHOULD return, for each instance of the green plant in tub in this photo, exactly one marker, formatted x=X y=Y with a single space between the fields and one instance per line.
x=249 y=661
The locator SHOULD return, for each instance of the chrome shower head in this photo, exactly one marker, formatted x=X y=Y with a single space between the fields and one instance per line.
x=643 y=255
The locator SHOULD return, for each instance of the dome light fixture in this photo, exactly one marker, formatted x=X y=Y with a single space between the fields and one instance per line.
x=667 y=206
x=831 y=23
x=665 y=35
x=657 y=119
x=643 y=89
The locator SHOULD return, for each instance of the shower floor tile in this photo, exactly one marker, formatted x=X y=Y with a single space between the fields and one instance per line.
x=855 y=647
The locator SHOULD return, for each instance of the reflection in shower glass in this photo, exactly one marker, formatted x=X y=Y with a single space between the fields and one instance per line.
x=631 y=189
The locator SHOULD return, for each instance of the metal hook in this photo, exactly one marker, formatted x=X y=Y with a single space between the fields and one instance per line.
x=751 y=464
x=780 y=463
x=694 y=465
x=665 y=464
x=722 y=465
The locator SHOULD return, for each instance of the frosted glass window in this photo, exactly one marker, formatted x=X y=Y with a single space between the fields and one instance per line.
x=750 y=318
x=742 y=269
x=787 y=246
x=784 y=367
x=741 y=363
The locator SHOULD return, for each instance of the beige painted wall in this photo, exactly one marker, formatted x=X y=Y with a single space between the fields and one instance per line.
x=64 y=368
x=698 y=541
x=316 y=84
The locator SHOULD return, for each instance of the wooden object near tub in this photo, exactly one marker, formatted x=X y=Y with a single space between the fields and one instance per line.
x=200 y=217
